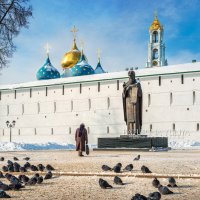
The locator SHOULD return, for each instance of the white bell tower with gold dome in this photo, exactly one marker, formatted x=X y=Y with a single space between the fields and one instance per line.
x=156 y=47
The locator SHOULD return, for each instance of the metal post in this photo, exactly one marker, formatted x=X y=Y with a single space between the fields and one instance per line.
x=10 y=133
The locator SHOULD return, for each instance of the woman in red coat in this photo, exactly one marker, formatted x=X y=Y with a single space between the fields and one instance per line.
x=81 y=139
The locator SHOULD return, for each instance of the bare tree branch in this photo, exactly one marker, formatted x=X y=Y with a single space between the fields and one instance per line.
x=14 y=15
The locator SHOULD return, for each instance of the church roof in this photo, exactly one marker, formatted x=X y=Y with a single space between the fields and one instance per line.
x=156 y=25
x=47 y=71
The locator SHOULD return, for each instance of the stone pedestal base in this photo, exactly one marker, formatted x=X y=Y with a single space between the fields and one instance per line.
x=130 y=141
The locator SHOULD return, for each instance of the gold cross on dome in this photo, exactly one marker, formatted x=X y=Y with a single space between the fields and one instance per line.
x=99 y=54
x=47 y=47
x=74 y=31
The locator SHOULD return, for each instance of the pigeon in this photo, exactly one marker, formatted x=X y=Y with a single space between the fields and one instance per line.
x=4 y=186
x=20 y=177
x=118 y=180
x=3 y=194
x=128 y=168
x=14 y=180
x=106 y=168
x=1 y=158
x=117 y=168
x=1 y=175
x=40 y=180
x=10 y=162
x=104 y=184
x=145 y=169
x=164 y=190
x=37 y=175
x=48 y=175
x=17 y=186
x=172 y=182
x=49 y=168
x=15 y=158
x=16 y=167
x=33 y=168
x=5 y=169
x=10 y=168
x=22 y=169
x=32 y=181
x=25 y=179
x=26 y=158
x=139 y=197
x=8 y=176
x=154 y=196
x=41 y=167
x=27 y=165
x=137 y=158
x=155 y=182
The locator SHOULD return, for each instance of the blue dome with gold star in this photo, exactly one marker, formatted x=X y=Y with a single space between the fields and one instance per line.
x=47 y=71
x=82 y=67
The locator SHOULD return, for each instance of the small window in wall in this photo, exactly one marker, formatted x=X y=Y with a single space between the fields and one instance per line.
x=19 y=132
x=197 y=126
x=80 y=88
x=71 y=106
x=150 y=127
x=149 y=100
x=8 y=110
x=38 y=107
x=99 y=86
x=51 y=131
x=46 y=91
x=89 y=101
x=159 y=80
x=54 y=107
x=15 y=94
x=88 y=130
x=3 y=132
x=155 y=37
x=63 y=90
x=0 y=96
x=117 y=84
x=194 y=97
x=30 y=92
x=22 y=109
x=108 y=102
x=171 y=98
x=182 y=79
x=35 y=131
x=70 y=130
x=173 y=127
x=108 y=129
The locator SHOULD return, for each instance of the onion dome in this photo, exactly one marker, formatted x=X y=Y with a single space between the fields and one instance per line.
x=156 y=25
x=82 y=67
x=47 y=71
x=71 y=58
x=99 y=69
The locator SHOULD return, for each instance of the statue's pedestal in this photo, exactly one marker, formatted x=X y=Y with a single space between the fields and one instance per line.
x=132 y=142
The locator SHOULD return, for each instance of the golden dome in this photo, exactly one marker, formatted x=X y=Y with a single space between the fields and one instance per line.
x=156 y=25
x=71 y=58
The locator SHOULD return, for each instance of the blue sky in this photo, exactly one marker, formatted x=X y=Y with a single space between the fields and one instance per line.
x=118 y=27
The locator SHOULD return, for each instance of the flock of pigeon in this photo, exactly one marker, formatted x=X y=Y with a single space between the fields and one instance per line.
x=162 y=190
x=16 y=183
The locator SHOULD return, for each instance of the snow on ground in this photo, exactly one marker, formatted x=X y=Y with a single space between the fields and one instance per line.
x=12 y=146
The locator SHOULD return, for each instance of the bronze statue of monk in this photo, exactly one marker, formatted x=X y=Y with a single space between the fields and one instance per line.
x=132 y=104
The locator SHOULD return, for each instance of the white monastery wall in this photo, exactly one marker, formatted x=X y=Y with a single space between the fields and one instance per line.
x=50 y=111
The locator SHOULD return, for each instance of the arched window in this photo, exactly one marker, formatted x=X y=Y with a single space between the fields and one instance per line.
x=155 y=54
x=155 y=37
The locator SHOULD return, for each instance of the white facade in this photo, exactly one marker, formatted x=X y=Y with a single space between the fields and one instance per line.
x=51 y=110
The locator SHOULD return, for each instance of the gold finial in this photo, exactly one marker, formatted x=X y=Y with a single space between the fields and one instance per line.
x=47 y=47
x=156 y=14
x=99 y=54
x=74 y=31
x=82 y=45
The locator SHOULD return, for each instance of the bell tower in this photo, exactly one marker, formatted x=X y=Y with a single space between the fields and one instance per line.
x=156 y=47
